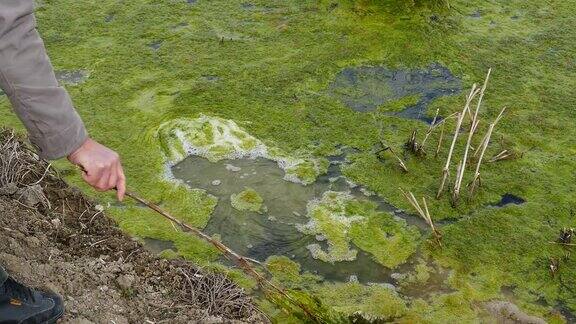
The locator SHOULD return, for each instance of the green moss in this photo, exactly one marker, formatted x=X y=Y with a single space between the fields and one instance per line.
x=288 y=272
x=248 y=200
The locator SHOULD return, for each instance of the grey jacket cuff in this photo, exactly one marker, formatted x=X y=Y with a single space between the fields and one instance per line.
x=62 y=143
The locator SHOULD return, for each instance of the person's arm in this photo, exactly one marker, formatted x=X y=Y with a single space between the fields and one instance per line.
x=45 y=108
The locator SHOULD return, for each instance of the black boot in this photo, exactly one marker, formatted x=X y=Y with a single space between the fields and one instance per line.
x=20 y=304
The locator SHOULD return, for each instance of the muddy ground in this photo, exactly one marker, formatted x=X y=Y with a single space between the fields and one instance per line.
x=53 y=237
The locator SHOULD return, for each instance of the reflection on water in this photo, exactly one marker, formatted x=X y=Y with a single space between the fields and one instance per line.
x=274 y=232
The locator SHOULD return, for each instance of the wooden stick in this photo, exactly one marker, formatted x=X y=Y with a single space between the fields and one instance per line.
x=237 y=258
x=473 y=125
x=460 y=118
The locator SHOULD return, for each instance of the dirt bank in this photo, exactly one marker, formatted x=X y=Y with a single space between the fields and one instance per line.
x=53 y=237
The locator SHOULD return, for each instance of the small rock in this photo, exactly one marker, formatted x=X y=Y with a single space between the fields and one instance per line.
x=232 y=168
x=80 y=320
x=30 y=196
x=8 y=189
x=99 y=208
x=32 y=241
x=56 y=222
x=126 y=281
x=216 y=182
x=353 y=278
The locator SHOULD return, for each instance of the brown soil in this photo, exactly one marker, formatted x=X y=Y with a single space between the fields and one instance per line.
x=52 y=237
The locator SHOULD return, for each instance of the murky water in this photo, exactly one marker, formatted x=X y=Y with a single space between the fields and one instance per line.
x=72 y=77
x=367 y=87
x=157 y=246
x=509 y=199
x=274 y=232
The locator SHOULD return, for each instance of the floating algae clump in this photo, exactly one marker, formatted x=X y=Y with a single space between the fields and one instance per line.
x=210 y=137
x=341 y=219
x=217 y=139
x=329 y=219
x=248 y=200
x=390 y=241
x=305 y=171
x=375 y=302
x=288 y=273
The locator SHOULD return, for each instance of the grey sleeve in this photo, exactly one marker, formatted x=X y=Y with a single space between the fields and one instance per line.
x=27 y=78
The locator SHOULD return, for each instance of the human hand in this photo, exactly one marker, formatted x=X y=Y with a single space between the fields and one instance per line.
x=101 y=166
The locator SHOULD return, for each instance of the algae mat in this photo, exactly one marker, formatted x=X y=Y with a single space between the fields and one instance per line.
x=269 y=67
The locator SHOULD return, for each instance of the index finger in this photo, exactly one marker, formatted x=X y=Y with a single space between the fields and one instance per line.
x=121 y=183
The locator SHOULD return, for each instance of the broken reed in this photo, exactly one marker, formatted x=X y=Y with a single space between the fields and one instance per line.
x=424 y=213
x=473 y=126
x=459 y=119
x=479 y=152
x=476 y=181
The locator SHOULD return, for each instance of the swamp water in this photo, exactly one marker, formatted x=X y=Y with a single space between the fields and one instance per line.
x=365 y=88
x=275 y=232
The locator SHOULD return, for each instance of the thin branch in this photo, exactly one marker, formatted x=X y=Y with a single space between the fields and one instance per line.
x=241 y=261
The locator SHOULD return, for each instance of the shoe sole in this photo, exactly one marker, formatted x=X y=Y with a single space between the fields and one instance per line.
x=55 y=318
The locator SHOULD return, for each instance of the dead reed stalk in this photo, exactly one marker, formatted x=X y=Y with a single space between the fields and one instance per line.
x=459 y=119
x=424 y=213
x=430 y=129
x=473 y=126
x=476 y=182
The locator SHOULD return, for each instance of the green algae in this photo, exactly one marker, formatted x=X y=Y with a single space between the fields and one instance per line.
x=288 y=273
x=217 y=139
x=419 y=276
x=329 y=219
x=372 y=302
x=341 y=220
x=248 y=200
x=273 y=70
x=390 y=241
